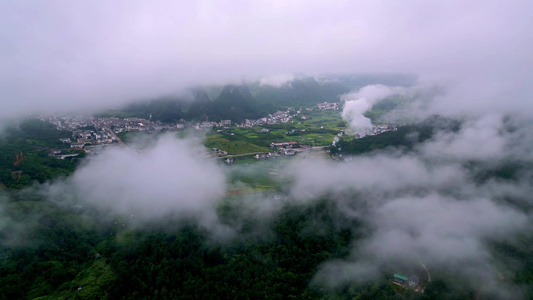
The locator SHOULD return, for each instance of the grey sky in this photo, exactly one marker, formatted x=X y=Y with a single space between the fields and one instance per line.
x=84 y=54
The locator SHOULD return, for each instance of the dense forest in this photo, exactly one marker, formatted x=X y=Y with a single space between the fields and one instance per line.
x=62 y=253
x=31 y=141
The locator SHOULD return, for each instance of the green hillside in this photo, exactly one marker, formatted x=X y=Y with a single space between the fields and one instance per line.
x=34 y=139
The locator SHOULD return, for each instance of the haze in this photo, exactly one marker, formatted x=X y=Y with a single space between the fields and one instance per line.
x=428 y=203
x=61 y=55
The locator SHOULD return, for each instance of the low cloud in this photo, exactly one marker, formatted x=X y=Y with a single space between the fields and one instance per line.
x=426 y=205
x=169 y=177
x=276 y=80
x=441 y=231
x=477 y=140
x=436 y=232
x=381 y=173
x=357 y=103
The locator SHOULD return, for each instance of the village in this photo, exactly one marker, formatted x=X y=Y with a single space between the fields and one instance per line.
x=92 y=134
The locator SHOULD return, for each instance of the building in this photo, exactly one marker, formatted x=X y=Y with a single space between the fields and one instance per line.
x=77 y=145
x=400 y=279
x=328 y=106
x=63 y=156
x=289 y=152
x=278 y=144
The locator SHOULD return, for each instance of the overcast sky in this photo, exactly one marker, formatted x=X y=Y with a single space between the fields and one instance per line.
x=61 y=55
x=85 y=54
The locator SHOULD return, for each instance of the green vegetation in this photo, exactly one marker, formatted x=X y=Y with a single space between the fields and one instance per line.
x=235 y=103
x=43 y=247
x=52 y=250
x=299 y=92
x=63 y=254
x=34 y=139
x=79 y=256
x=234 y=146
x=405 y=137
x=166 y=110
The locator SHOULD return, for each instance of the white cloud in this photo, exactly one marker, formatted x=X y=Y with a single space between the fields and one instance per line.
x=357 y=103
x=425 y=205
x=477 y=140
x=276 y=80
x=169 y=178
x=78 y=55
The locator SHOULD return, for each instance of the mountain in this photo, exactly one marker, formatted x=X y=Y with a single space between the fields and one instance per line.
x=298 y=92
x=164 y=109
x=235 y=103
x=199 y=108
x=308 y=90
x=255 y=100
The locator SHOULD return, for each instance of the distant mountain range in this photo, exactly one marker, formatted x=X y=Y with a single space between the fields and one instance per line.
x=238 y=102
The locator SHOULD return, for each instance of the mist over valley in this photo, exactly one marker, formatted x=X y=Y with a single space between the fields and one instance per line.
x=238 y=150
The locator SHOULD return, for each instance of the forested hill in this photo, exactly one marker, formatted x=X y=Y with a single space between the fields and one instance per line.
x=252 y=100
x=298 y=92
x=235 y=103
x=30 y=142
x=165 y=110
x=199 y=107
x=308 y=91
x=406 y=137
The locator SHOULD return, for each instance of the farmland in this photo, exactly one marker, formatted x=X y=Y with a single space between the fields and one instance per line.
x=313 y=128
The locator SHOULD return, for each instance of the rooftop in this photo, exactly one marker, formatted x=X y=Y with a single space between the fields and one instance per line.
x=400 y=276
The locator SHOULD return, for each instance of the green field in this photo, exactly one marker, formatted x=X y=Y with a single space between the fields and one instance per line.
x=318 y=129
x=233 y=147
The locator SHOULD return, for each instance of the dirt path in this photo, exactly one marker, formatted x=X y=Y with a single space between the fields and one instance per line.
x=427 y=271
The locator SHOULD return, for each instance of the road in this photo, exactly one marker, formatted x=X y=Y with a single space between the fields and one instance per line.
x=113 y=134
x=315 y=148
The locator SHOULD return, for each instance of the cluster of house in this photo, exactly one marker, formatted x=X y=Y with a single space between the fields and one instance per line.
x=204 y=125
x=276 y=118
x=288 y=148
x=280 y=152
x=78 y=123
x=328 y=106
x=89 y=134
x=283 y=145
